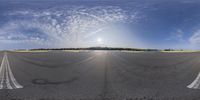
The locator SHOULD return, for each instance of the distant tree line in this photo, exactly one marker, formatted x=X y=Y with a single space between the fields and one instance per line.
x=98 y=48
x=172 y=49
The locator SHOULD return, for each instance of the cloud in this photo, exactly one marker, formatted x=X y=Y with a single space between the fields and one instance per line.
x=61 y=26
x=177 y=35
x=189 y=1
x=195 y=38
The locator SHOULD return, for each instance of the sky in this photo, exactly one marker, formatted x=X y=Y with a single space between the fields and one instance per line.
x=157 y=24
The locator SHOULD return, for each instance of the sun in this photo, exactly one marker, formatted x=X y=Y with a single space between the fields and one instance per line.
x=99 y=40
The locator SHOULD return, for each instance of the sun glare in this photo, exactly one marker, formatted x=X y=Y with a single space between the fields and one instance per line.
x=99 y=40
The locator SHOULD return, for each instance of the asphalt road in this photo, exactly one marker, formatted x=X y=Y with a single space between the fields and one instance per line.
x=103 y=75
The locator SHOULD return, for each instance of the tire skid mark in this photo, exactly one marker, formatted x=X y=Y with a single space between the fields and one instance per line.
x=76 y=77
x=48 y=82
x=108 y=91
x=43 y=81
x=105 y=84
x=187 y=60
x=56 y=66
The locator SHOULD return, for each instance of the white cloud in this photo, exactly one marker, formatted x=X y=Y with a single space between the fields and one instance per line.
x=64 y=26
x=195 y=38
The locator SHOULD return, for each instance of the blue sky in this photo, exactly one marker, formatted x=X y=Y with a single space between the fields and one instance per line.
x=156 y=24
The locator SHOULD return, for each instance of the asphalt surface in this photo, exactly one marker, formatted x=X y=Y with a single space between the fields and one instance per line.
x=103 y=75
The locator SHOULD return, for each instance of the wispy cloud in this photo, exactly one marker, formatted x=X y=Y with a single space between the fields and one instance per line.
x=61 y=26
x=176 y=35
x=195 y=38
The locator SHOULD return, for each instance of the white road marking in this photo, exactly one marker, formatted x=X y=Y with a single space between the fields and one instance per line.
x=7 y=79
x=6 y=76
x=2 y=75
x=195 y=84
x=15 y=83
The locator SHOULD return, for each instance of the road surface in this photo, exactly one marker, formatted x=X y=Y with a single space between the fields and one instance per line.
x=102 y=75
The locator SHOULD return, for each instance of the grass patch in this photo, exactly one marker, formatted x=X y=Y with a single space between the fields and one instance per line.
x=71 y=50
x=180 y=51
x=131 y=51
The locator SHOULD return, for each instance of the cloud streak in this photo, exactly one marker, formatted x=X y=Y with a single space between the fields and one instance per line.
x=61 y=26
x=195 y=38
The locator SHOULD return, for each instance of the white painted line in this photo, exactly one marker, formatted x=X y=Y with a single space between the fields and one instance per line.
x=7 y=79
x=2 y=74
x=195 y=84
x=6 y=76
x=15 y=83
